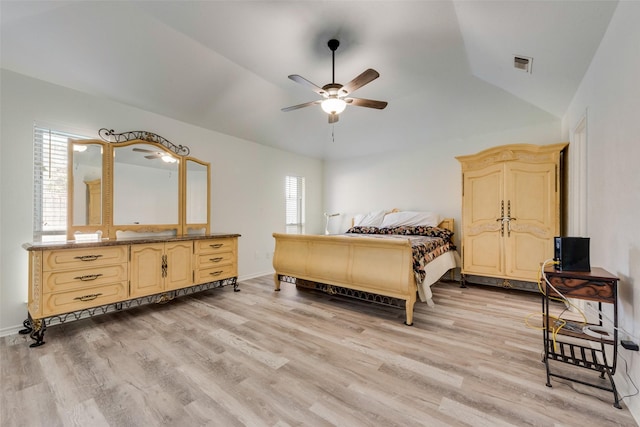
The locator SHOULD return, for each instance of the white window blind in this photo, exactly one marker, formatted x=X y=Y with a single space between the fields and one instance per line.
x=50 y=183
x=294 y=190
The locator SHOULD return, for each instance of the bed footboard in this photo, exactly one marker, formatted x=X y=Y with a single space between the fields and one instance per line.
x=378 y=266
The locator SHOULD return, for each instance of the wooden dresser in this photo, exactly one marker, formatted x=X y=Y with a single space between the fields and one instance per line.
x=70 y=280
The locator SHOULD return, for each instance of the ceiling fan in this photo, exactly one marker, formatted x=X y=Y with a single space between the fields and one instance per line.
x=336 y=96
x=156 y=155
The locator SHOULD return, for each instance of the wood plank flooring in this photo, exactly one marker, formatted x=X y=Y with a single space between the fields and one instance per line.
x=298 y=358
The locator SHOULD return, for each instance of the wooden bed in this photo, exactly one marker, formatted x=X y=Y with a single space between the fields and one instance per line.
x=380 y=267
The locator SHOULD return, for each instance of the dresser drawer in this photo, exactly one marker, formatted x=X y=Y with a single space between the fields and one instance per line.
x=213 y=246
x=595 y=290
x=216 y=259
x=65 y=302
x=83 y=258
x=68 y=280
x=594 y=285
x=216 y=273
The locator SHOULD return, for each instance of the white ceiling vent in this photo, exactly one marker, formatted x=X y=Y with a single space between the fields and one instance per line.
x=523 y=63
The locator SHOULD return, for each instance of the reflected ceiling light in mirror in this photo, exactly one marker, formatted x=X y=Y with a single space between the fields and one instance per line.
x=79 y=148
x=168 y=159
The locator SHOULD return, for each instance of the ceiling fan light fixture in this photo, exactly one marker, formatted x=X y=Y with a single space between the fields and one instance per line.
x=333 y=105
x=168 y=159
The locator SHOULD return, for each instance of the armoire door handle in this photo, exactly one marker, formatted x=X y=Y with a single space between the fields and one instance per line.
x=509 y=227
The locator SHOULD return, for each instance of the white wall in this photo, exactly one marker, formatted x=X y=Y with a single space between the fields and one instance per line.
x=247 y=178
x=425 y=179
x=610 y=96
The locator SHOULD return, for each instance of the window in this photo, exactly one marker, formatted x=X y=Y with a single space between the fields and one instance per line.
x=294 y=190
x=50 y=183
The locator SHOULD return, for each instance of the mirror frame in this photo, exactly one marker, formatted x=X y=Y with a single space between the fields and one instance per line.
x=176 y=227
x=108 y=228
x=105 y=208
x=194 y=226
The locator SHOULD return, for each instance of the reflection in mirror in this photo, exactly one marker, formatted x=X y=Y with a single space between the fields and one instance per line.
x=128 y=234
x=87 y=184
x=197 y=202
x=145 y=185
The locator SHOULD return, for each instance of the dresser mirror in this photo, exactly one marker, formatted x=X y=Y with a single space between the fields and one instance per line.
x=196 y=196
x=136 y=187
x=86 y=168
x=146 y=181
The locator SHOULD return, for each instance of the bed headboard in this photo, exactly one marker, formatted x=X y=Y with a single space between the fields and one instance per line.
x=446 y=223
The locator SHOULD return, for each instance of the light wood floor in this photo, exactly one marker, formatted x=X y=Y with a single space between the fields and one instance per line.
x=298 y=358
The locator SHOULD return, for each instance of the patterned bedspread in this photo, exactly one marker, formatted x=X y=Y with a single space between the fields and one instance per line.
x=427 y=243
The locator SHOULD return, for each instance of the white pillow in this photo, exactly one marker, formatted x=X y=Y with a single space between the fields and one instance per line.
x=372 y=219
x=397 y=219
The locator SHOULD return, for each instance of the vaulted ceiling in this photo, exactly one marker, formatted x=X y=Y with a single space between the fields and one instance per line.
x=446 y=67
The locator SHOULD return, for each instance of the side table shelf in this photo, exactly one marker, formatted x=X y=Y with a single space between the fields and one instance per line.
x=571 y=345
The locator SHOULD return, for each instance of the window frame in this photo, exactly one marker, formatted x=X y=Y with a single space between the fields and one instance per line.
x=294 y=204
x=50 y=182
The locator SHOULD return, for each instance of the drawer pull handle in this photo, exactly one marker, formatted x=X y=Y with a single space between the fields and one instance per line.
x=89 y=297
x=216 y=273
x=216 y=246
x=215 y=259
x=88 y=277
x=87 y=257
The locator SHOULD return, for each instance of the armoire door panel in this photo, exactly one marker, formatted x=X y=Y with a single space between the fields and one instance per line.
x=524 y=255
x=483 y=254
x=531 y=193
x=484 y=192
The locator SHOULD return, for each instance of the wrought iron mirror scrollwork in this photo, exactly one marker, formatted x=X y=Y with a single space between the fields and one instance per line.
x=109 y=135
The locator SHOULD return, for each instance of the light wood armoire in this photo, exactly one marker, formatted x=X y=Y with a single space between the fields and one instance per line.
x=511 y=211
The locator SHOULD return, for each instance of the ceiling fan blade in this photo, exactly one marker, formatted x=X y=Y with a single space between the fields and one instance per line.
x=299 y=79
x=369 y=103
x=295 y=107
x=333 y=118
x=152 y=156
x=142 y=150
x=366 y=77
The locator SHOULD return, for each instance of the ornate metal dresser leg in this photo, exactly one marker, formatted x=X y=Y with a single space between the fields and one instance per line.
x=27 y=327
x=35 y=329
